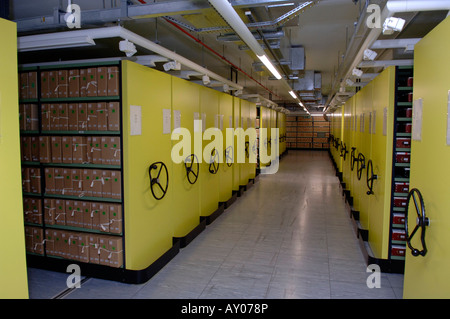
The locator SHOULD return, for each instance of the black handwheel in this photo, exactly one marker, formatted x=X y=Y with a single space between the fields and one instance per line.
x=361 y=165
x=213 y=164
x=352 y=158
x=155 y=181
x=228 y=154
x=192 y=168
x=343 y=150
x=371 y=178
x=336 y=144
x=421 y=222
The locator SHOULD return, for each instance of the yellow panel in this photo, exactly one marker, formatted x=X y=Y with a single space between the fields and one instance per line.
x=244 y=168
x=13 y=272
x=236 y=124
x=429 y=276
x=253 y=148
x=209 y=183
x=186 y=196
x=148 y=222
x=265 y=123
x=225 y=171
x=381 y=155
x=347 y=138
x=365 y=149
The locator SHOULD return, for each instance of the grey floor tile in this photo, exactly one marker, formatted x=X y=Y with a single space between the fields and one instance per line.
x=288 y=237
x=351 y=290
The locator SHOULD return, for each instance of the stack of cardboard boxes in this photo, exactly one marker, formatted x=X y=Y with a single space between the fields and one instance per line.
x=103 y=150
x=103 y=217
x=88 y=82
x=88 y=248
x=80 y=117
x=66 y=122
x=83 y=182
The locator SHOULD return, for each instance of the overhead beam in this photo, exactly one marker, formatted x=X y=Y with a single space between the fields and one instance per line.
x=385 y=63
x=407 y=44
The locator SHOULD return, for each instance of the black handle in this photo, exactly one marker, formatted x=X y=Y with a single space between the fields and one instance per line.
x=213 y=165
x=352 y=159
x=421 y=222
x=228 y=154
x=361 y=165
x=155 y=182
x=192 y=168
x=344 y=151
x=369 y=180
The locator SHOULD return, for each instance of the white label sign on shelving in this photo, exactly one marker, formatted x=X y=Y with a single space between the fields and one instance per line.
x=417 y=120
x=135 y=120
x=167 y=118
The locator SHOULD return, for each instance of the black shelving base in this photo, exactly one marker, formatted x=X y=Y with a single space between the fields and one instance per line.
x=386 y=265
x=186 y=240
x=230 y=201
x=209 y=219
x=105 y=272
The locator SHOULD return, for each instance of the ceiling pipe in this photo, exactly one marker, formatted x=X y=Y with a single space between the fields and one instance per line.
x=227 y=12
x=220 y=56
x=392 y=7
x=120 y=32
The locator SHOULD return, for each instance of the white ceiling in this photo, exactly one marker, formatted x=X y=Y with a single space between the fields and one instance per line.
x=324 y=30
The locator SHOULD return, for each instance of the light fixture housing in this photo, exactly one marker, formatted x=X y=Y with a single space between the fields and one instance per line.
x=33 y=43
x=292 y=93
x=172 y=65
x=369 y=55
x=357 y=72
x=206 y=80
x=392 y=25
x=127 y=47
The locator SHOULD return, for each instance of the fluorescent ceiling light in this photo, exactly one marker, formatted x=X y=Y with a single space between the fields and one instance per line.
x=293 y=94
x=280 y=5
x=33 y=43
x=270 y=66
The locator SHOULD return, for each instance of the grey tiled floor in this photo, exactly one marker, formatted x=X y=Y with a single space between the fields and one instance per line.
x=288 y=237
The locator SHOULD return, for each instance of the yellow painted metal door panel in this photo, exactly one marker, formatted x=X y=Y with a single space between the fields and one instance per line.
x=225 y=120
x=357 y=187
x=244 y=167
x=347 y=139
x=253 y=149
x=236 y=124
x=265 y=136
x=365 y=149
x=209 y=178
x=429 y=276
x=383 y=97
x=13 y=272
x=148 y=222
x=185 y=186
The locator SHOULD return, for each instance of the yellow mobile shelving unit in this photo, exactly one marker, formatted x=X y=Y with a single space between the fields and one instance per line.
x=236 y=165
x=185 y=186
x=427 y=271
x=210 y=206
x=133 y=197
x=13 y=272
x=225 y=121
